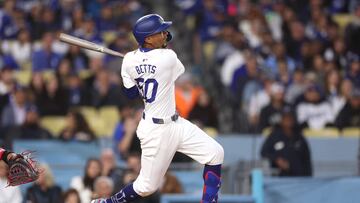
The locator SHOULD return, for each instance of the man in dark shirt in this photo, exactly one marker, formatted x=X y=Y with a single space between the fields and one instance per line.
x=287 y=149
x=349 y=115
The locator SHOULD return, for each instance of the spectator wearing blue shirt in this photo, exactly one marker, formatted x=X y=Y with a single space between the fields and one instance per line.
x=124 y=136
x=8 y=27
x=105 y=22
x=279 y=54
x=45 y=59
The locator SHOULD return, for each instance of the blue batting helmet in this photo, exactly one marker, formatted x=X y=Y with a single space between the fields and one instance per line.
x=149 y=25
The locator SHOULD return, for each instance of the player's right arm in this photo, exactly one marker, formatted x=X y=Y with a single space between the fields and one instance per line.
x=179 y=67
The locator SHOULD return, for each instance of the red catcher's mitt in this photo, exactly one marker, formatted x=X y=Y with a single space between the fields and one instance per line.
x=22 y=169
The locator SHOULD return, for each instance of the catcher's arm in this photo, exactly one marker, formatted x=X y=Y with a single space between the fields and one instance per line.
x=6 y=155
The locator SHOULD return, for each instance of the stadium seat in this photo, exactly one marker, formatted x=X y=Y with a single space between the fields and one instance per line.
x=109 y=36
x=325 y=132
x=48 y=74
x=266 y=131
x=23 y=77
x=342 y=19
x=84 y=74
x=88 y=112
x=98 y=126
x=110 y=117
x=351 y=132
x=53 y=123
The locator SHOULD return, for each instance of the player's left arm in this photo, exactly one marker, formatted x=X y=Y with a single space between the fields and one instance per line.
x=130 y=88
x=132 y=92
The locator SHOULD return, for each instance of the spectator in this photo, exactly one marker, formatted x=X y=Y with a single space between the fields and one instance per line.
x=296 y=88
x=186 y=95
x=63 y=72
x=85 y=185
x=125 y=133
x=8 y=194
x=31 y=128
x=234 y=60
x=37 y=87
x=249 y=72
x=103 y=187
x=204 y=113
x=78 y=59
x=352 y=31
x=171 y=184
x=314 y=111
x=79 y=94
x=54 y=101
x=44 y=190
x=335 y=92
x=44 y=58
x=337 y=53
x=77 y=128
x=7 y=84
x=104 y=92
x=110 y=169
x=287 y=149
x=14 y=113
x=71 y=196
x=105 y=22
x=349 y=115
x=258 y=101
x=22 y=43
x=279 y=54
x=270 y=115
x=353 y=73
x=8 y=27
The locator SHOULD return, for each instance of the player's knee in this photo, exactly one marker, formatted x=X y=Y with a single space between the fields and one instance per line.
x=218 y=155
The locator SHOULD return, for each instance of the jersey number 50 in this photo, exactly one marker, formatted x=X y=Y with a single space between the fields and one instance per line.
x=144 y=88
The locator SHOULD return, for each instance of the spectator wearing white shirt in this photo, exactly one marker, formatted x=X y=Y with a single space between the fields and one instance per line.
x=22 y=43
x=314 y=112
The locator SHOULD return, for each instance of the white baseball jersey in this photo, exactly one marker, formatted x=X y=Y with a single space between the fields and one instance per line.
x=154 y=73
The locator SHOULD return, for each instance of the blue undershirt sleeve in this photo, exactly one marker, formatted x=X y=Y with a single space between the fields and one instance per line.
x=132 y=92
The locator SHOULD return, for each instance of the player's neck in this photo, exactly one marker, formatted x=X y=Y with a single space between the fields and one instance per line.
x=144 y=49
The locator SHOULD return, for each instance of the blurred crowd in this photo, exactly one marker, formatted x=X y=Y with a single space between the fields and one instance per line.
x=261 y=56
x=102 y=178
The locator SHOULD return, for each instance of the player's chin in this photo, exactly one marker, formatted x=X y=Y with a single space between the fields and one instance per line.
x=164 y=45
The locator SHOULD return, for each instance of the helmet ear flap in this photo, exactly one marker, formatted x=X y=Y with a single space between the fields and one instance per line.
x=169 y=36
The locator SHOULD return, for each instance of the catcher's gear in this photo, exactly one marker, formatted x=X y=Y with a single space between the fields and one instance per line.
x=22 y=168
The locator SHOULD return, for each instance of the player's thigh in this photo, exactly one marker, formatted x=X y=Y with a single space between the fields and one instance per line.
x=157 y=153
x=199 y=146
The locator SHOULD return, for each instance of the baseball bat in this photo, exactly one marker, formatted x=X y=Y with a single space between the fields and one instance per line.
x=87 y=45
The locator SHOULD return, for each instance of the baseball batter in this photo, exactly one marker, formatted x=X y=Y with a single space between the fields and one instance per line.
x=150 y=71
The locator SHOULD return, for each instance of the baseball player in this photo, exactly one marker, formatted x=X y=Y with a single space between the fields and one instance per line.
x=150 y=71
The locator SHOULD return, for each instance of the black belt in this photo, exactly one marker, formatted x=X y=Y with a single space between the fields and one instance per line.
x=163 y=121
